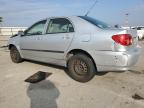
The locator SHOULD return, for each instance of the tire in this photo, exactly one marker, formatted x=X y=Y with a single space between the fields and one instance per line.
x=81 y=68
x=15 y=55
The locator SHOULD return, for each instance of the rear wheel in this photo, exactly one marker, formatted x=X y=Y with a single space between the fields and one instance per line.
x=15 y=55
x=81 y=68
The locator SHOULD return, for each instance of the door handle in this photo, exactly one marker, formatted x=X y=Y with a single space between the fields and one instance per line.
x=38 y=38
x=66 y=37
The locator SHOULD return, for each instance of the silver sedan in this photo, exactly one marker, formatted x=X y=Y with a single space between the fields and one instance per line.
x=81 y=43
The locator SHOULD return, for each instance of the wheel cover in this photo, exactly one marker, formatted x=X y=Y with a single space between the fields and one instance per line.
x=80 y=67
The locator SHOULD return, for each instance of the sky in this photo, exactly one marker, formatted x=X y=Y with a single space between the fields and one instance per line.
x=25 y=12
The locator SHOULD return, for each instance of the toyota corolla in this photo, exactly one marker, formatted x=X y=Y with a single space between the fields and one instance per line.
x=82 y=44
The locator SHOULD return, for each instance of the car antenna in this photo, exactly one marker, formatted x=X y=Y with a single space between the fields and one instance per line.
x=91 y=7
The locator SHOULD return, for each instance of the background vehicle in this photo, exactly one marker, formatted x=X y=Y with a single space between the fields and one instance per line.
x=81 y=43
x=140 y=32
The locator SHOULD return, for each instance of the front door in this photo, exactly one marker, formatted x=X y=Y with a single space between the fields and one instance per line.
x=30 y=42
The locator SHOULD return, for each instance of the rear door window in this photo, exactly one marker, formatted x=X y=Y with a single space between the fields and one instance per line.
x=59 y=25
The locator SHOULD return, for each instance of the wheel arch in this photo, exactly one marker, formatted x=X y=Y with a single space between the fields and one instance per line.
x=13 y=45
x=10 y=46
x=76 y=51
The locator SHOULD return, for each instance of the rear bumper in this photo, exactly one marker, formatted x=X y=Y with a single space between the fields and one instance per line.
x=116 y=61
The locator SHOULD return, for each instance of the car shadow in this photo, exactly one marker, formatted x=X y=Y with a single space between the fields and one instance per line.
x=46 y=64
x=64 y=68
x=137 y=72
x=43 y=94
x=50 y=65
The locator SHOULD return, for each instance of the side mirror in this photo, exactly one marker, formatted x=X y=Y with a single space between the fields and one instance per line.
x=20 y=33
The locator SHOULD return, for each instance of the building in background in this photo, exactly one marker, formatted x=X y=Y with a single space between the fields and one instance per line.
x=7 y=32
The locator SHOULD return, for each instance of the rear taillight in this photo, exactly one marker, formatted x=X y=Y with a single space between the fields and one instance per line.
x=123 y=39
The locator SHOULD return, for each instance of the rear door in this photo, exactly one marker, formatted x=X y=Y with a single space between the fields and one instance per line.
x=58 y=37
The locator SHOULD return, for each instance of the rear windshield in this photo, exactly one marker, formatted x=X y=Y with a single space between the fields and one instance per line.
x=97 y=23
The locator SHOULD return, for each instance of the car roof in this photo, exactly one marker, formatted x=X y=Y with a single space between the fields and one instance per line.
x=61 y=17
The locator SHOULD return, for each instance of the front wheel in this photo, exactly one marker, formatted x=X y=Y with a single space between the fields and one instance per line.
x=15 y=55
x=81 y=68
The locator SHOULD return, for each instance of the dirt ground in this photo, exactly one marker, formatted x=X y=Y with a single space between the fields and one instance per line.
x=110 y=90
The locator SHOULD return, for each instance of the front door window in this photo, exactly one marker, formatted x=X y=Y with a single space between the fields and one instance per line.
x=36 y=29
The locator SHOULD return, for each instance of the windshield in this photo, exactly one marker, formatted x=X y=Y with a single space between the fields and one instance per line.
x=97 y=23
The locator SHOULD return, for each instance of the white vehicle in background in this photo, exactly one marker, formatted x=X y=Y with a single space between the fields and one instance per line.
x=140 y=32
